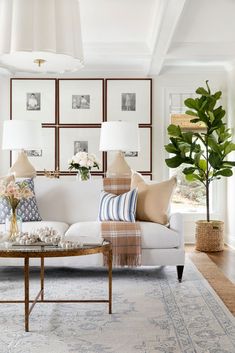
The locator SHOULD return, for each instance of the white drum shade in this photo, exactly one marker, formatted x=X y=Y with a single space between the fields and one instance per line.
x=119 y=136
x=32 y=30
x=21 y=134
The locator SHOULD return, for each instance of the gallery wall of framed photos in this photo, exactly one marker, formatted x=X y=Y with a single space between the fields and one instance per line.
x=71 y=111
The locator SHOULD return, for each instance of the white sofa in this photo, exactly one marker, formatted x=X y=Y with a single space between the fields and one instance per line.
x=71 y=207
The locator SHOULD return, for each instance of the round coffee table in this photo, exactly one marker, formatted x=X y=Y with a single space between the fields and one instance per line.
x=43 y=252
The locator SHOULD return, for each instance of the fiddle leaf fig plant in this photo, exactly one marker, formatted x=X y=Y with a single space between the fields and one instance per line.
x=205 y=153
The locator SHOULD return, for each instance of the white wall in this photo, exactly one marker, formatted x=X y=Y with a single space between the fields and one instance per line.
x=185 y=79
x=230 y=219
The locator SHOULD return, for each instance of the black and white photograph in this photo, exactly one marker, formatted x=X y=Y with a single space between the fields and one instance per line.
x=33 y=101
x=80 y=101
x=128 y=101
x=34 y=153
x=80 y=146
x=131 y=154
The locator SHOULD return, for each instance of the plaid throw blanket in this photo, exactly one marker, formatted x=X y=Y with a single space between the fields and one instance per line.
x=124 y=236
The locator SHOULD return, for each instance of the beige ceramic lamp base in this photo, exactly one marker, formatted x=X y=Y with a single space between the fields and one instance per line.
x=119 y=167
x=22 y=168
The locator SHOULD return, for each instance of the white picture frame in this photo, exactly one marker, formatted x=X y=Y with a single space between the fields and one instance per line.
x=67 y=138
x=142 y=162
x=81 y=101
x=33 y=99
x=129 y=100
x=44 y=158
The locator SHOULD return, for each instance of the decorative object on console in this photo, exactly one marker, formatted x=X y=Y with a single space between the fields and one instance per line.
x=153 y=199
x=22 y=135
x=83 y=163
x=205 y=161
x=119 y=136
x=129 y=100
x=118 y=207
x=27 y=208
x=52 y=174
x=13 y=193
x=41 y=36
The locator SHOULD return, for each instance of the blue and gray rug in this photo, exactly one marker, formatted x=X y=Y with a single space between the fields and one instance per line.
x=152 y=312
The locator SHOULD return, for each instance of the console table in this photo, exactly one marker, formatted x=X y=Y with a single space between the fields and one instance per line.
x=42 y=252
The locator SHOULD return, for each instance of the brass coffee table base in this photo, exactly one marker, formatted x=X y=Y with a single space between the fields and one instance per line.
x=28 y=309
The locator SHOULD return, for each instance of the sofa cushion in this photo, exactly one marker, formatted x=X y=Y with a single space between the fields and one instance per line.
x=61 y=227
x=118 y=207
x=153 y=199
x=154 y=235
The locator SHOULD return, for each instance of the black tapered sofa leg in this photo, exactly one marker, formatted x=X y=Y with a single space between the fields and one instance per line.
x=180 y=270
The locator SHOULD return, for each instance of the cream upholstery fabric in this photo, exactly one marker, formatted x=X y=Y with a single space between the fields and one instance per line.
x=154 y=235
x=153 y=199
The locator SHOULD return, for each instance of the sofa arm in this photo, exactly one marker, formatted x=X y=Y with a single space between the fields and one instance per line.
x=176 y=224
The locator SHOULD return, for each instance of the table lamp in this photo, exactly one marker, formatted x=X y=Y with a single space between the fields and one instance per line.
x=22 y=135
x=120 y=136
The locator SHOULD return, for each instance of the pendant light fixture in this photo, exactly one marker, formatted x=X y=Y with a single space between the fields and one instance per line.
x=40 y=36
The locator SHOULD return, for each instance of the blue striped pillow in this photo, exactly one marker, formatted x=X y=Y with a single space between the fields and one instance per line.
x=118 y=207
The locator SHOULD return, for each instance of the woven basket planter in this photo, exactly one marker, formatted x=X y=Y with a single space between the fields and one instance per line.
x=209 y=236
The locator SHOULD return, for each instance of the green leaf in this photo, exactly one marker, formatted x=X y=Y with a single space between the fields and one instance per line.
x=170 y=148
x=191 y=103
x=229 y=148
x=194 y=120
x=202 y=164
x=224 y=172
x=213 y=144
x=174 y=162
x=202 y=91
x=190 y=112
x=211 y=115
x=174 y=130
x=217 y=95
x=209 y=91
x=193 y=177
x=215 y=160
x=189 y=170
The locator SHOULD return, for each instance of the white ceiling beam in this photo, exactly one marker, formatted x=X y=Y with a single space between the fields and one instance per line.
x=171 y=12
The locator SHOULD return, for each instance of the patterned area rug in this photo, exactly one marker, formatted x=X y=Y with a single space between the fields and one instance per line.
x=152 y=312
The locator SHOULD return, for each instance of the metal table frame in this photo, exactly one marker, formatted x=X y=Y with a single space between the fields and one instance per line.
x=106 y=249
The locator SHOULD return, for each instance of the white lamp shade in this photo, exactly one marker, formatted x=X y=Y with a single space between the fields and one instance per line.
x=119 y=136
x=40 y=29
x=21 y=135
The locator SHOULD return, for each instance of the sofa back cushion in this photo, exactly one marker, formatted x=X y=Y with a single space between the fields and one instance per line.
x=153 y=199
x=68 y=201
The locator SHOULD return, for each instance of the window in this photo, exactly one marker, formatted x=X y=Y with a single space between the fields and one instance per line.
x=189 y=196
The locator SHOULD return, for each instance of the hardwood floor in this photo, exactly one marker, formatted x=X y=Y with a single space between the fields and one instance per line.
x=225 y=260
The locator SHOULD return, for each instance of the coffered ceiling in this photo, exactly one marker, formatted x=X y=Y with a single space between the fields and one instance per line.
x=148 y=36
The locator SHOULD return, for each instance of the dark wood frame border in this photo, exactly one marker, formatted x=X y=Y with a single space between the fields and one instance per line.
x=80 y=79
x=56 y=125
x=35 y=79
x=130 y=79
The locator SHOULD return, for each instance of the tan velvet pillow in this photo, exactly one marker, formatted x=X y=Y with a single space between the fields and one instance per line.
x=153 y=199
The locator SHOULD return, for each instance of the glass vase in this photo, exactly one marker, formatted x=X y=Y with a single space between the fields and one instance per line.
x=83 y=175
x=13 y=225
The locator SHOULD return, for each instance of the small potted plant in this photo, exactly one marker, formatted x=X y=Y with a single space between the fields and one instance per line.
x=83 y=162
x=205 y=157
